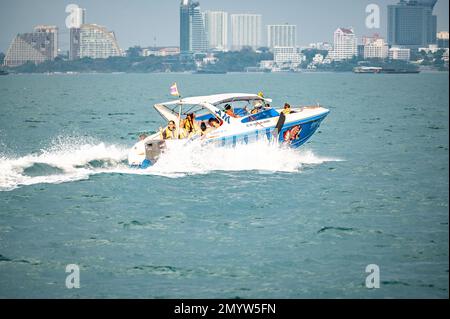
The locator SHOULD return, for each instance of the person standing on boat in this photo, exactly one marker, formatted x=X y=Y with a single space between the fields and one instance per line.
x=190 y=124
x=169 y=133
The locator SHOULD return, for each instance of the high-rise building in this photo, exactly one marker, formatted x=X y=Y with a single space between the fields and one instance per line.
x=412 y=23
x=74 y=50
x=37 y=47
x=79 y=18
x=375 y=48
x=216 y=25
x=246 y=31
x=399 y=54
x=345 y=44
x=97 y=42
x=442 y=39
x=283 y=35
x=193 y=37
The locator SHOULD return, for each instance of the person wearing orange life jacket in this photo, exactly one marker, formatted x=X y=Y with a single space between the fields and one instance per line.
x=169 y=133
x=229 y=111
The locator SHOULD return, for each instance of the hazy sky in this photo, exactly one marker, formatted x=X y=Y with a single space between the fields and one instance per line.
x=139 y=22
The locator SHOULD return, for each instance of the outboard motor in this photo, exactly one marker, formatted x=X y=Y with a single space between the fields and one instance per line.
x=153 y=150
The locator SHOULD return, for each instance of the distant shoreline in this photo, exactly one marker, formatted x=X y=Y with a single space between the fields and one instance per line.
x=199 y=75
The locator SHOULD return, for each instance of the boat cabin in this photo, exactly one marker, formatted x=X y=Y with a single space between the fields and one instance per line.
x=227 y=109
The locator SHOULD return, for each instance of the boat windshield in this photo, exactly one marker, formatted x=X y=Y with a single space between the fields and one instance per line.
x=244 y=108
x=265 y=114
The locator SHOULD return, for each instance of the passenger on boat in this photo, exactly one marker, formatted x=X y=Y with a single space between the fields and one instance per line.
x=213 y=123
x=257 y=108
x=203 y=129
x=287 y=109
x=229 y=111
x=190 y=124
x=182 y=133
x=169 y=132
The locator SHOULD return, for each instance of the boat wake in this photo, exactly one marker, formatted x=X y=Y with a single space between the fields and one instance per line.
x=71 y=159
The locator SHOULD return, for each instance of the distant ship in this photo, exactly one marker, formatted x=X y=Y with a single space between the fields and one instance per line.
x=371 y=69
x=3 y=72
x=367 y=69
x=399 y=71
x=209 y=71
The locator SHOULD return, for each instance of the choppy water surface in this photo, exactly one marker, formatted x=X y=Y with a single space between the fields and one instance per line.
x=371 y=187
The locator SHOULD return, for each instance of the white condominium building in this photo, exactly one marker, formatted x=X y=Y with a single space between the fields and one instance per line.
x=246 y=31
x=97 y=42
x=376 y=48
x=216 y=25
x=36 y=47
x=345 y=44
x=399 y=54
x=283 y=35
x=287 y=56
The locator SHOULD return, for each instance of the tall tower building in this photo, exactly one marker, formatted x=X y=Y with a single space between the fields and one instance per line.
x=193 y=36
x=79 y=19
x=412 y=23
x=283 y=35
x=246 y=31
x=37 y=47
x=216 y=24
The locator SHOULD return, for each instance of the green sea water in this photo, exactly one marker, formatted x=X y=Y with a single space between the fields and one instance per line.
x=370 y=187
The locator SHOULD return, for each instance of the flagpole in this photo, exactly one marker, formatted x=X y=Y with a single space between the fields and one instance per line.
x=174 y=91
x=179 y=119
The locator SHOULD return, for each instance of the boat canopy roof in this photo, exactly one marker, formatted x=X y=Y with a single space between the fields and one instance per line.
x=201 y=105
x=216 y=99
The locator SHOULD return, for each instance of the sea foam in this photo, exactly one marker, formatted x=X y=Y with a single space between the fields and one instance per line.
x=70 y=159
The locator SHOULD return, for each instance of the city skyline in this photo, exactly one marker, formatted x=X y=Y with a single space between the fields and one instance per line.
x=145 y=23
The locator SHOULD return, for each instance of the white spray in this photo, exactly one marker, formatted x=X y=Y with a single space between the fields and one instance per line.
x=77 y=159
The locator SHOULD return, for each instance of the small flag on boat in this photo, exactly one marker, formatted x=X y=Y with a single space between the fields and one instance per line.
x=174 y=90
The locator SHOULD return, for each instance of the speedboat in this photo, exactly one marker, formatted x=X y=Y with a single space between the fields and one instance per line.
x=252 y=119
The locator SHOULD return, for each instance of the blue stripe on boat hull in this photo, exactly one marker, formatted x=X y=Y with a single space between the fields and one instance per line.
x=306 y=128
